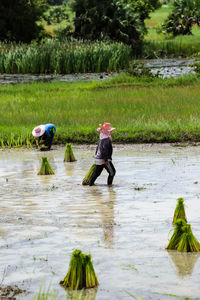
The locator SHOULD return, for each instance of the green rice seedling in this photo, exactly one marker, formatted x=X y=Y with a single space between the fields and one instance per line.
x=74 y=277
x=45 y=167
x=179 y=212
x=81 y=272
x=90 y=276
x=88 y=176
x=2 y=144
x=188 y=242
x=178 y=231
x=69 y=155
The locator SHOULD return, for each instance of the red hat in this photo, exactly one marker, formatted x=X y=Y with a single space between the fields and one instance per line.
x=106 y=127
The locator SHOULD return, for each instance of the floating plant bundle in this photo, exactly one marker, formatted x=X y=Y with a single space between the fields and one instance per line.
x=81 y=273
x=176 y=236
x=88 y=176
x=179 y=212
x=45 y=168
x=188 y=242
x=69 y=155
x=90 y=276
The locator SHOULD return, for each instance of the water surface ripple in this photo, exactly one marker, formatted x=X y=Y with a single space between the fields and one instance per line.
x=125 y=227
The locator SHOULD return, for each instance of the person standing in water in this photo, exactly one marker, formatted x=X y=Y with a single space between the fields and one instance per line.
x=103 y=154
x=44 y=134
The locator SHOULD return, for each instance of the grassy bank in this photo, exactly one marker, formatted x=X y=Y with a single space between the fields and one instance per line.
x=142 y=110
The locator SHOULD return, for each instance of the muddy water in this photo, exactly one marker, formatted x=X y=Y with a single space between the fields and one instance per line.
x=125 y=227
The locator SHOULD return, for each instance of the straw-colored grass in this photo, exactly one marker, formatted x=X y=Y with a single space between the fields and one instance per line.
x=157 y=112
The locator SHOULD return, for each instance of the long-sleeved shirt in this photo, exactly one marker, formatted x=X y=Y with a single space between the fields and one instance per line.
x=103 y=151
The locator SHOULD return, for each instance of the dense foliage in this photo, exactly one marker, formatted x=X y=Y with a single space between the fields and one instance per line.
x=18 y=19
x=120 y=20
x=63 y=57
x=184 y=15
x=56 y=14
x=55 y=2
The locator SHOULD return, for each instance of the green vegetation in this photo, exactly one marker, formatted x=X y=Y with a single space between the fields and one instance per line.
x=142 y=110
x=188 y=242
x=19 y=20
x=121 y=20
x=63 y=57
x=185 y=13
x=157 y=44
x=69 y=155
x=45 y=167
x=81 y=272
x=178 y=231
x=88 y=176
x=179 y=212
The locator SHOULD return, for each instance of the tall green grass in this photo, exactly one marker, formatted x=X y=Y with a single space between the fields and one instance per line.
x=65 y=57
x=156 y=110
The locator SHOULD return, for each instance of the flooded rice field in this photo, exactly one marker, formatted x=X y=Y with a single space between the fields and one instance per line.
x=164 y=68
x=125 y=227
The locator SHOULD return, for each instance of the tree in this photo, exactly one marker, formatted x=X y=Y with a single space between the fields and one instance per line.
x=185 y=13
x=18 y=19
x=55 y=2
x=56 y=14
x=120 y=20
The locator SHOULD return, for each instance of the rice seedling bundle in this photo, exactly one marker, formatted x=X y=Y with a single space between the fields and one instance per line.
x=88 y=176
x=188 y=242
x=90 y=276
x=69 y=155
x=81 y=273
x=176 y=236
x=45 y=167
x=179 y=212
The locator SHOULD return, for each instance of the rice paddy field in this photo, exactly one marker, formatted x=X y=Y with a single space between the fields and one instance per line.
x=125 y=228
x=142 y=110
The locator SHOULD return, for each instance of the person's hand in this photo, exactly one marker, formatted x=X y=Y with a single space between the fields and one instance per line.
x=106 y=163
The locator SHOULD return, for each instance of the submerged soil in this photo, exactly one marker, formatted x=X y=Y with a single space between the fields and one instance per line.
x=125 y=227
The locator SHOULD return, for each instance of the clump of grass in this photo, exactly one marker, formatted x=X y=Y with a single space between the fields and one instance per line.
x=45 y=167
x=69 y=155
x=178 y=231
x=88 y=176
x=179 y=212
x=81 y=273
x=188 y=242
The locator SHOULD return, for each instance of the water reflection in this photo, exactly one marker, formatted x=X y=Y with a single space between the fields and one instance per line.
x=70 y=169
x=105 y=204
x=85 y=294
x=184 y=262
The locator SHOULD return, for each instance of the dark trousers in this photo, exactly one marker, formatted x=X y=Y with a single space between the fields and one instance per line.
x=45 y=141
x=99 y=168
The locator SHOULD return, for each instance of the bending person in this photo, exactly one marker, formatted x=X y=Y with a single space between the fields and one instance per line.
x=103 y=154
x=44 y=134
